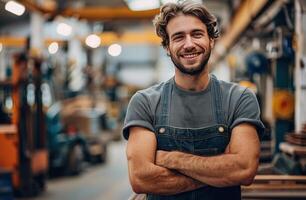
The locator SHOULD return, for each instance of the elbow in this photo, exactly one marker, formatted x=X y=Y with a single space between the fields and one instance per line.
x=247 y=182
x=248 y=176
x=248 y=179
x=137 y=188
x=137 y=185
x=139 y=182
x=249 y=171
x=242 y=177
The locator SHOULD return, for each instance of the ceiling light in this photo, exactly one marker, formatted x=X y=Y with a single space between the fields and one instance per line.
x=175 y=1
x=93 y=41
x=64 y=29
x=138 y=5
x=14 y=7
x=114 y=50
x=168 y=1
x=53 y=48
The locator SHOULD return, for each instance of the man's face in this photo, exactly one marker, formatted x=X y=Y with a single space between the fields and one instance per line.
x=189 y=44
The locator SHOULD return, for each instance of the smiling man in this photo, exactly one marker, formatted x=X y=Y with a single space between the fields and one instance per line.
x=189 y=51
x=194 y=136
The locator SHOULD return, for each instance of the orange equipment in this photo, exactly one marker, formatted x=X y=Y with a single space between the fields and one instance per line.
x=23 y=148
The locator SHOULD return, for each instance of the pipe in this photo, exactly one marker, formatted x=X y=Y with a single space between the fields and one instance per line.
x=298 y=56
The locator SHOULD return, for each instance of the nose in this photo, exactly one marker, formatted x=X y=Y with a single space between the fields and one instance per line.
x=188 y=43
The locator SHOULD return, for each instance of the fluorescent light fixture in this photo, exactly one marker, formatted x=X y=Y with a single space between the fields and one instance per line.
x=114 y=50
x=93 y=41
x=1 y=47
x=53 y=48
x=15 y=8
x=64 y=29
x=168 y=1
x=175 y=1
x=138 y=5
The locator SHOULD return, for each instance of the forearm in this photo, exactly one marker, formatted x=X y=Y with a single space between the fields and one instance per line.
x=154 y=179
x=219 y=171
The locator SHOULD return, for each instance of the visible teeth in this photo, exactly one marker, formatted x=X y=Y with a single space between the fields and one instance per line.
x=190 y=55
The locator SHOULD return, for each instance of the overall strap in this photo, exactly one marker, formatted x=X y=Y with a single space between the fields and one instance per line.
x=217 y=98
x=163 y=118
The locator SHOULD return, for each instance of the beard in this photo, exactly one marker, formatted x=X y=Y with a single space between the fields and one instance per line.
x=193 y=70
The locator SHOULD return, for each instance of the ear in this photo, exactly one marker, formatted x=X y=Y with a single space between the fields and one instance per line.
x=212 y=43
x=168 y=51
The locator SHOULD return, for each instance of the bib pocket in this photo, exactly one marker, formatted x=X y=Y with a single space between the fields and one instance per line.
x=211 y=142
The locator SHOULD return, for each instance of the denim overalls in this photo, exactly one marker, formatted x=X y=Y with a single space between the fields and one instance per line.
x=206 y=141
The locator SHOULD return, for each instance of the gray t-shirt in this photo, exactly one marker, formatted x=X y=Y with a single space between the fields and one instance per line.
x=191 y=109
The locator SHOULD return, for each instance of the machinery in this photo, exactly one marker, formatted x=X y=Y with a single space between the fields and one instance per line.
x=23 y=145
x=69 y=145
x=67 y=148
x=74 y=139
x=79 y=115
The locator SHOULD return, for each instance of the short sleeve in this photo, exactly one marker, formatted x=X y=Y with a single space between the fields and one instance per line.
x=247 y=111
x=138 y=114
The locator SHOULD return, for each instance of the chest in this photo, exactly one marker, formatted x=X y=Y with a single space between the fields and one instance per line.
x=191 y=111
x=192 y=125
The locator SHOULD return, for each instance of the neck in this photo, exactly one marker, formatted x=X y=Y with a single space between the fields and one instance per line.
x=192 y=82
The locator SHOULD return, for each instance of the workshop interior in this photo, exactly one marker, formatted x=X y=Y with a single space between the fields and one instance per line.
x=68 y=69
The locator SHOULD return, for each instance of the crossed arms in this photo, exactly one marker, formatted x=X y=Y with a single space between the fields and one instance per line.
x=177 y=172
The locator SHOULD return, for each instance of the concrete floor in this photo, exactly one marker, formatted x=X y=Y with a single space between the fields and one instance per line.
x=107 y=181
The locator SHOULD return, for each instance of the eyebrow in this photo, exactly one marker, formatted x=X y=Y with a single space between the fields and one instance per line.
x=182 y=32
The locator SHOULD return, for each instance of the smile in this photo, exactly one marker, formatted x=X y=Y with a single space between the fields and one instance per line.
x=189 y=56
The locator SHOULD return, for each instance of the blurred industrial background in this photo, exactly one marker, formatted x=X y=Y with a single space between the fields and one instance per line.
x=69 y=67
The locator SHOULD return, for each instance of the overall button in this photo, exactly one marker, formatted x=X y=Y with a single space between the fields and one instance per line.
x=221 y=129
x=162 y=130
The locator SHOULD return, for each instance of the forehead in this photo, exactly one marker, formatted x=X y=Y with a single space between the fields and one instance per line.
x=184 y=23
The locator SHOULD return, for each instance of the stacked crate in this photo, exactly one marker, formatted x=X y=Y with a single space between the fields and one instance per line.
x=295 y=147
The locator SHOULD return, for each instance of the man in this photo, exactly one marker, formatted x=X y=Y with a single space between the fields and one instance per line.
x=192 y=137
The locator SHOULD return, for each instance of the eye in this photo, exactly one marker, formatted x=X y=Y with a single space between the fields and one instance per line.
x=197 y=34
x=177 y=37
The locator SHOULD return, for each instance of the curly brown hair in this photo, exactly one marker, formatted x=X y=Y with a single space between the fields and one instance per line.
x=171 y=10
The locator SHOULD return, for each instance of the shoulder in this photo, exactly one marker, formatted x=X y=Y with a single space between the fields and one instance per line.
x=242 y=106
x=151 y=94
x=147 y=99
x=233 y=89
x=153 y=90
x=141 y=108
x=238 y=98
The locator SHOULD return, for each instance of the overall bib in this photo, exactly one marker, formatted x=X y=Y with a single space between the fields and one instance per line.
x=206 y=141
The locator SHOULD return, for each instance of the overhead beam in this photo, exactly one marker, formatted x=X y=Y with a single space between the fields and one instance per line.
x=104 y=13
x=9 y=41
x=241 y=20
x=93 y=13
x=107 y=38
x=32 y=6
x=243 y=17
